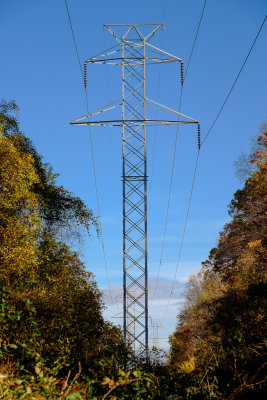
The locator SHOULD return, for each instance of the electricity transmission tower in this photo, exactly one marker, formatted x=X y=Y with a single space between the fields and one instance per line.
x=133 y=52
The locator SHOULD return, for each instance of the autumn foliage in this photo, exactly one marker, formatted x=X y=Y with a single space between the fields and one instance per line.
x=38 y=269
x=54 y=341
x=221 y=338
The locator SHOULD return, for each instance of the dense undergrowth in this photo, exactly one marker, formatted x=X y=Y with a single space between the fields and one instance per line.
x=54 y=341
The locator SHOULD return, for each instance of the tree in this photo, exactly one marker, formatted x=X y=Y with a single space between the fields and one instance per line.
x=38 y=267
x=19 y=218
x=221 y=330
x=61 y=211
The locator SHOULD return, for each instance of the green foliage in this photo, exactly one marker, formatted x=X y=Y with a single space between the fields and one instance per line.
x=69 y=310
x=19 y=332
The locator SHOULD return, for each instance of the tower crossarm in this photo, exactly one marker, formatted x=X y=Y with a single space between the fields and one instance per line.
x=134 y=112
x=114 y=56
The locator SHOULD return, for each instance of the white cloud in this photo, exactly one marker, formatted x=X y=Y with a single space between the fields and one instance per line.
x=157 y=308
x=162 y=292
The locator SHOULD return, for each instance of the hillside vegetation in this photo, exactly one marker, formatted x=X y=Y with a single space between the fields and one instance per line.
x=54 y=341
x=221 y=334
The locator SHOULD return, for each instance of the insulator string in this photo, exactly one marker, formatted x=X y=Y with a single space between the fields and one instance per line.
x=85 y=75
x=182 y=73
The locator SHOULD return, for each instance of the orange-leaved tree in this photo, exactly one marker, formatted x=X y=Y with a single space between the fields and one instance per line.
x=50 y=304
x=221 y=336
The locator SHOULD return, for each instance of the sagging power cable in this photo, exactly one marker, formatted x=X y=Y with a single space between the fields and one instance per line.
x=92 y=151
x=235 y=81
x=155 y=131
x=183 y=236
x=196 y=165
x=183 y=76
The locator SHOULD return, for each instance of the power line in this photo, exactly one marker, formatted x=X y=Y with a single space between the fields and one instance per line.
x=155 y=130
x=197 y=159
x=236 y=79
x=196 y=35
x=110 y=137
x=168 y=207
x=92 y=155
x=183 y=236
x=165 y=6
x=73 y=37
x=174 y=154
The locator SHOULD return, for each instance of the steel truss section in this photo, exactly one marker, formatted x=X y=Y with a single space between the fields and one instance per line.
x=133 y=53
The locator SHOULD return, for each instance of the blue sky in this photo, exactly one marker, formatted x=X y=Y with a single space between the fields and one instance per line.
x=39 y=69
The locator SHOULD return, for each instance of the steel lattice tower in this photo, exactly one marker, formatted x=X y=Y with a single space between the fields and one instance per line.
x=134 y=52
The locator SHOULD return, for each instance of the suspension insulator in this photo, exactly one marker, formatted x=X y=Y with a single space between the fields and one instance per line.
x=85 y=75
x=198 y=136
x=182 y=73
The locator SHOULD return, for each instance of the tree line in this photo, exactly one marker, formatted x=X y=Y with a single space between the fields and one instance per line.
x=54 y=341
x=220 y=338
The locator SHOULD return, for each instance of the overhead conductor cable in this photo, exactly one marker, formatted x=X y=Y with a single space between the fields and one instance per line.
x=92 y=150
x=201 y=144
x=183 y=76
